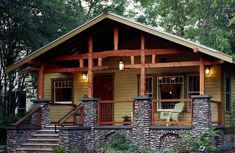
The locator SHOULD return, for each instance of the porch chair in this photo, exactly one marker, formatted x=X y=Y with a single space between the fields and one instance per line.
x=172 y=115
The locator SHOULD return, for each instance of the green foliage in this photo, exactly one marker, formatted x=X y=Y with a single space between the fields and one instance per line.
x=204 y=142
x=58 y=150
x=209 y=22
x=119 y=143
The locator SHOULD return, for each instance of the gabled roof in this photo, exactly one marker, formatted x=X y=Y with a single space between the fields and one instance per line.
x=128 y=22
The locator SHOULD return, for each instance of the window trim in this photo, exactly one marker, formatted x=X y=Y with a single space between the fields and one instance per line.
x=188 y=85
x=157 y=83
x=53 y=91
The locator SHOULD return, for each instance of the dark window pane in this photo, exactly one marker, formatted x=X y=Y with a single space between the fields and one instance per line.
x=228 y=88
x=228 y=102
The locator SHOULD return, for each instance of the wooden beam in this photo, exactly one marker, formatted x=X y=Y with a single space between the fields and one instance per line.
x=81 y=63
x=90 y=67
x=202 y=76
x=115 y=37
x=66 y=70
x=153 y=59
x=142 y=68
x=165 y=65
x=74 y=69
x=41 y=82
x=34 y=63
x=117 y=53
x=132 y=60
x=100 y=61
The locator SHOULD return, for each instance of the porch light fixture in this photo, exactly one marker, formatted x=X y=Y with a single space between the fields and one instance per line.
x=121 y=65
x=84 y=76
x=207 y=70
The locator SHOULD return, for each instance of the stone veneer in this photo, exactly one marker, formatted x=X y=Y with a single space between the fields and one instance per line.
x=89 y=137
x=142 y=121
x=17 y=136
x=46 y=120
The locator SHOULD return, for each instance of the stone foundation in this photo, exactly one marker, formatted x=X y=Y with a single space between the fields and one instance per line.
x=89 y=137
x=17 y=136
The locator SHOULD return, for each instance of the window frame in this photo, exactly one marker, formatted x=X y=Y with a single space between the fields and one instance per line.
x=157 y=96
x=53 y=90
x=188 y=92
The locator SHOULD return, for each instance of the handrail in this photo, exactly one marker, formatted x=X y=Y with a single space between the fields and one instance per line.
x=69 y=114
x=28 y=115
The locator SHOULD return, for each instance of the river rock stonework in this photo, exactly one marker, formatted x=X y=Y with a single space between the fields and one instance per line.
x=44 y=104
x=142 y=121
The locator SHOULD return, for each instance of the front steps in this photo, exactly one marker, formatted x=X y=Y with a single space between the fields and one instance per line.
x=41 y=142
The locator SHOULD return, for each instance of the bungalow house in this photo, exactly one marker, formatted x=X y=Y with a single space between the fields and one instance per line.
x=115 y=74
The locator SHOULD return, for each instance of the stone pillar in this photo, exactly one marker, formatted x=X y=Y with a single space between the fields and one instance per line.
x=90 y=120
x=201 y=120
x=142 y=121
x=46 y=120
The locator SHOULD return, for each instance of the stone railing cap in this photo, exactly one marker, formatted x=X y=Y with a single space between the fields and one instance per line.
x=142 y=98
x=40 y=100
x=201 y=97
x=90 y=99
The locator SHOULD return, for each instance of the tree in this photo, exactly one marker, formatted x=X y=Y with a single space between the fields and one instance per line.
x=204 y=21
x=27 y=25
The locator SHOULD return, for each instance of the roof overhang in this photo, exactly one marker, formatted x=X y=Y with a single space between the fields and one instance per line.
x=128 y=22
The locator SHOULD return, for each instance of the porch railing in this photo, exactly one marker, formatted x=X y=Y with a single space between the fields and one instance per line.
x=76 y=113
x=115 y=112
x=165 y=113
x=27 y=120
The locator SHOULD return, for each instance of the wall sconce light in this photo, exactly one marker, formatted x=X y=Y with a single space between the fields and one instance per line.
x=207 y=70
x=84 y=76
x=121 y=65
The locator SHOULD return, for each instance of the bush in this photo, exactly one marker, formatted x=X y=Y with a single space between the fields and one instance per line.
x=58 y=150
x=119 y=143
x=205 y=142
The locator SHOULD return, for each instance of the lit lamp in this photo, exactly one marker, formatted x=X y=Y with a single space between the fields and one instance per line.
x=84 y=76
x=121 y=65
x=207 y=70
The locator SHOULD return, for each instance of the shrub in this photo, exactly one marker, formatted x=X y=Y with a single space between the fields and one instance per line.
x=205 y=142
x=58 y=150
x=119 y=143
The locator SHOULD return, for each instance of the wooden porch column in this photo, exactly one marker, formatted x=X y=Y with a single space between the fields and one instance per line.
x=202 y=76
x=41 y=81
x=142 y=69
x=90 y=67
x=115 y=37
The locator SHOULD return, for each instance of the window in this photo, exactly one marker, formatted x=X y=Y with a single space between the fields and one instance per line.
x=228 y=94
x=169 y=87
x=149 y=86
x=193 y=85
x=62 y=91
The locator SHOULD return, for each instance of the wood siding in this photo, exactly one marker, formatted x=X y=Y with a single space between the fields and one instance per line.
x=229 y=116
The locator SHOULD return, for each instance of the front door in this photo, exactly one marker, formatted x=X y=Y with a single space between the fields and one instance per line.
x=103 y=89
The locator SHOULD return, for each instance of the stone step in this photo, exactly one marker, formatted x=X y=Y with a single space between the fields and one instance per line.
x=45 y=135
x=47 y=131
x=35 y=150
x=39 y=145
x=44 y=140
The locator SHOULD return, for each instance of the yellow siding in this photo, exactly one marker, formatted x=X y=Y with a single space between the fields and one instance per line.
x=79 y=88
x=212 y=83
x=58 y=111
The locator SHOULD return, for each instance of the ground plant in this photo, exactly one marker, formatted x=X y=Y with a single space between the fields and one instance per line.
x=120 y=143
